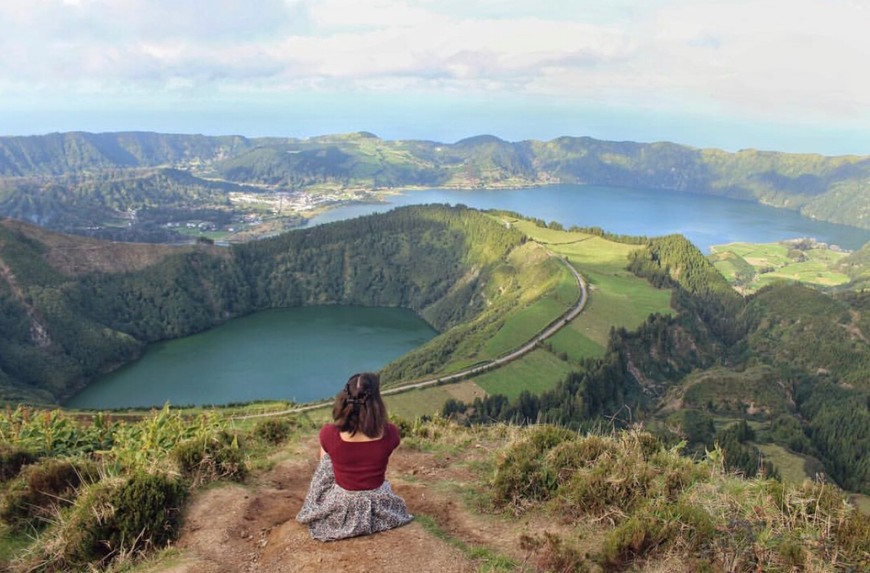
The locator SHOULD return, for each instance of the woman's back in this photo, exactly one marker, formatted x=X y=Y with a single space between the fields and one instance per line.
x=359 y=463
x=349 y=493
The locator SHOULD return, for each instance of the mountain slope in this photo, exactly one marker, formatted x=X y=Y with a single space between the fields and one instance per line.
x=78 y=152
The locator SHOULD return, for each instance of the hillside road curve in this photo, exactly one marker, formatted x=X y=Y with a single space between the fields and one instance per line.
x=548 y=331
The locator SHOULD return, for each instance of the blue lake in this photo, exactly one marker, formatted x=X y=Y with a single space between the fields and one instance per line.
x=704 y=220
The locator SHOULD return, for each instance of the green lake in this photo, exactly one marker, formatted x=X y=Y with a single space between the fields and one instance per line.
x=299 y=354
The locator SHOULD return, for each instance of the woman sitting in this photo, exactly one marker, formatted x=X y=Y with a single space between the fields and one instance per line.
x=349 y=494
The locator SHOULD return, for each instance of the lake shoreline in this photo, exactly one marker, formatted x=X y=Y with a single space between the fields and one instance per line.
x=706 y=220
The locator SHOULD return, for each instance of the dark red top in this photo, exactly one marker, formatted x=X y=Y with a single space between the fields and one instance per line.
x=359 y=465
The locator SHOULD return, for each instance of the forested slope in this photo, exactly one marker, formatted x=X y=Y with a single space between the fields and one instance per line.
x=67 y=317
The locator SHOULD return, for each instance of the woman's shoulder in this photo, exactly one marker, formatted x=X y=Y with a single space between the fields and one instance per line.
x=328 y=432
x=391 y=432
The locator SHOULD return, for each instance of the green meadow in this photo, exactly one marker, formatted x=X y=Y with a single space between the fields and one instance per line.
x=536 y=372
x=414 y=404
x=791 y=466
x=795 y=469
x=751 y=266
x=617 y=298
x=523 y=325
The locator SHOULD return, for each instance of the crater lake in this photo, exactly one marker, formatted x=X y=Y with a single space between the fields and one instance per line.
x=298 y=354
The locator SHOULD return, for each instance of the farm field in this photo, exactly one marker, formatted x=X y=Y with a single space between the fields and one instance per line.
x=536 y=372
x=617 y=298
x=750 y=266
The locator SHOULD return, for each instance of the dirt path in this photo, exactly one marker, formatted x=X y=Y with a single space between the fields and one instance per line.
x=234 y=528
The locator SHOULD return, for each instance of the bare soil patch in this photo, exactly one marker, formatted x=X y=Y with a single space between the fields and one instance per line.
x=234 y=528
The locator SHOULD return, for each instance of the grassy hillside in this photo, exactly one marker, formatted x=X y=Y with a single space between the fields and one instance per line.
x=676 y=363
x=857 y=267
x=791 y=360
x=662 y=329
x=795 y=318
x=618 y=299
x=79 y=152
x=772 y=384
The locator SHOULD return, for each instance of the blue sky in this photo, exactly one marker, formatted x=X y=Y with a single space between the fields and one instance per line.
x=789 y=75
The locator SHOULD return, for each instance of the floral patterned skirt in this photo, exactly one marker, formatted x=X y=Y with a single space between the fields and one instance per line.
x=332 y=512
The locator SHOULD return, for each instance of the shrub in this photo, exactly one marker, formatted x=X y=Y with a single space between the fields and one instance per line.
x=148 y=506
x=111 y=519
x=44 y=487
x=634 y=538
x=211 y=458
x=591 y=473
x=616 y=483
x=579 y=453
x=553 y=553
x=147 y=445
x=646 y=443
x=404 y=425
x=677 y=473
x=522 y=475
x=12 y=459
x=659 y=526
x=274 y=430
x=852 y=533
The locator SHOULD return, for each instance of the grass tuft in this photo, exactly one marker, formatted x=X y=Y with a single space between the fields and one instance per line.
x=657 y=504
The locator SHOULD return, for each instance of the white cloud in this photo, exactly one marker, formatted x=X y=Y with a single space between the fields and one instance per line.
x=781 y=59
x=769 y=56
x=333 y=15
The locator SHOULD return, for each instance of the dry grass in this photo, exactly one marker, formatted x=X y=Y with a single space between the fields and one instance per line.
x=660 y=506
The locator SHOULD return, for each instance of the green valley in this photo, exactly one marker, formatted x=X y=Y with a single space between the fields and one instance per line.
x=83 y=309
x=697 y=370
x=163 y=188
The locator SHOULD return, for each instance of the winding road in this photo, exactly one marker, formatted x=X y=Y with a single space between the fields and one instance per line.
x=547 y=332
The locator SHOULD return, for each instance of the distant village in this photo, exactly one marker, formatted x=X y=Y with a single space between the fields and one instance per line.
x=253 y=211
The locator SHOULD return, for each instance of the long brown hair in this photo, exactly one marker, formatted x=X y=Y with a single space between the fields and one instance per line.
x=359 y=406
